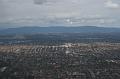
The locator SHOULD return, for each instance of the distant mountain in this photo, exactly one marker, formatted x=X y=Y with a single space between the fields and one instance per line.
x=59 y=29
x=1 y=28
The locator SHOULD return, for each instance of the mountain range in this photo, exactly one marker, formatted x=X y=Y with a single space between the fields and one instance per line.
x=58 y=29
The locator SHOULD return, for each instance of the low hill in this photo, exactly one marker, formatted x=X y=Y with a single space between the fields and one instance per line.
x=36 y=30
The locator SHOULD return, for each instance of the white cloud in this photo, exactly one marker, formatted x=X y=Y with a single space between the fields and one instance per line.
x=69 y=21
x=111 y=4
x=56 y=12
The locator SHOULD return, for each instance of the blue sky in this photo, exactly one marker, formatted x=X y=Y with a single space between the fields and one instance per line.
x=60 y=13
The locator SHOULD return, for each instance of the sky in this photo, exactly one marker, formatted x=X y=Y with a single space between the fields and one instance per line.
x=19 y=13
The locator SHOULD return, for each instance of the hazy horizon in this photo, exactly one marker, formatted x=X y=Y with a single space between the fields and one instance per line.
x=2 y=28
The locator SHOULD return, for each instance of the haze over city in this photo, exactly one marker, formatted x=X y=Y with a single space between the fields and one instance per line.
x=59 y=39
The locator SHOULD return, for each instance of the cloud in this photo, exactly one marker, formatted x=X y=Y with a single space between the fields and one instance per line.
x=40 y=1
x=56 y=12
x=111 y=4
